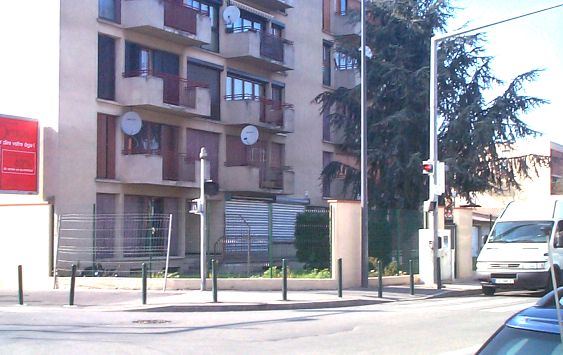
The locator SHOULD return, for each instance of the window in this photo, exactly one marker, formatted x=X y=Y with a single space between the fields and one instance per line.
x=344 y=61
x=239 y=154
x=106 y=147
x=147 y=141
x=327 y=136
x=213 y=12
x=327 y=71
x=110 y=10
x=197 y=139
x=105 y=227
x=243 y=89
x=342 y=7
x=140 y=60
x=106 y=67
x=327 y=159
x=212 y=77
x=248 y=22
x=147 y=233
x=276 y=30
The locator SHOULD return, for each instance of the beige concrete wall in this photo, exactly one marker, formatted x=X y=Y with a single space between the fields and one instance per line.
x=463 y=219
x=346 y=240
x=27 y=244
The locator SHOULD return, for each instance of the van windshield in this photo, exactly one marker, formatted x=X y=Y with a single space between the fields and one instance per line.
x=521 y=232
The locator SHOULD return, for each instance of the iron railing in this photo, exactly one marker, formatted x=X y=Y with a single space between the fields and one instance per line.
x=180 y=16
x=178 y=166
x=271 y=111
x=176 y=90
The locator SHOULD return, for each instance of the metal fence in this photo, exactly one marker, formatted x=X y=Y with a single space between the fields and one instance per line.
x=393 y=236
x=113 y=244
x=256 y=240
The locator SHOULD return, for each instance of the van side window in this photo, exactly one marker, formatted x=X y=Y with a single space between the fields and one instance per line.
x=558 y=243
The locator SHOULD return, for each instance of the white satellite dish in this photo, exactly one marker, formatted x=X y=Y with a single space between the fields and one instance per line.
x=131 y=123
x=249 y=135
x=231 y=14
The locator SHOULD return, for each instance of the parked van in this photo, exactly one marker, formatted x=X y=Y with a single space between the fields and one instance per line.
x=516 y=254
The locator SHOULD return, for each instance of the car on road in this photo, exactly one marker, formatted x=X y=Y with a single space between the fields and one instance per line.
x=534 y=330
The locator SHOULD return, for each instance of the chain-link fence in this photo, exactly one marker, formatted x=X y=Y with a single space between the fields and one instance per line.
x=112 y=244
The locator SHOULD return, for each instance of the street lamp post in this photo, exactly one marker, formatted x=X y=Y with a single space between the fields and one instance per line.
x=363 y=154
x=203 y=222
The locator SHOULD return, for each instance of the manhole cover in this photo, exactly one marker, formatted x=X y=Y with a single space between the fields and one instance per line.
x=151 y=321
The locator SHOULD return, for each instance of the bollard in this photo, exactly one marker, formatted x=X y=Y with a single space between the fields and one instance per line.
x=72 y=285
x=20 y=285
x=380 y=278
x=340 y=277
x=411 y=273
x=144 y=287
x=438 y=274
x=214 y=278
x=284 y=284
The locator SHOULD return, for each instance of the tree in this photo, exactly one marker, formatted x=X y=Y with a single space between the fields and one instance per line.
x=398 y=33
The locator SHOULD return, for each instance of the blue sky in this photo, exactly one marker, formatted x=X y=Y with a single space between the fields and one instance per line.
x=521 y=45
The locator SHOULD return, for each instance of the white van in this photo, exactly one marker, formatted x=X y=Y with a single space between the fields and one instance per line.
x=516 y=255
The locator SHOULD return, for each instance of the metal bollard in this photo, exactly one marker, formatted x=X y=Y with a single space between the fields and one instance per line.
x=438 y=274
x=144 y=287
x=20 y=285
x=411 y=273
x=214 y=278
x=340 y=277
x=284 y=284
x=72 y=285
x=380 y=278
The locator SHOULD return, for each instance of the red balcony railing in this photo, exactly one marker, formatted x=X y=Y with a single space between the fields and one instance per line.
x=272 y=46
x=176 y=91
x=273 y=112
x=181 y=17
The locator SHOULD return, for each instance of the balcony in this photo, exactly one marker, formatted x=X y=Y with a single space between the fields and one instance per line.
x=164 y=92
x=159 y=168
x=268 y=114
x=250 y=178
x=348 y=78
x=259 y=49
x=341 y=24
x=169 y=20
x=272 y=5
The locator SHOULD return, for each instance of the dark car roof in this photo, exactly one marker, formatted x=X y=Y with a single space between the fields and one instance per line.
x=542 y=317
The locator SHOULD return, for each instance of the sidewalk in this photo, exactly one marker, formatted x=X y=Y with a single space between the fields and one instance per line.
x=228 y=300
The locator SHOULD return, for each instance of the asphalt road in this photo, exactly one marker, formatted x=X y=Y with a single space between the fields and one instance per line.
x=432 y=326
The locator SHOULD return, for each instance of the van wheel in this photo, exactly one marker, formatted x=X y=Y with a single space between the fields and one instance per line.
x=488 y=290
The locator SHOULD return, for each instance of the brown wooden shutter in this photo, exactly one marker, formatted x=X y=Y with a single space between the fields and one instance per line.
x=326 y=15
x=101 y=147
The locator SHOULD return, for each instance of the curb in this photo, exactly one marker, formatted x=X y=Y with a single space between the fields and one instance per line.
x=218 y=307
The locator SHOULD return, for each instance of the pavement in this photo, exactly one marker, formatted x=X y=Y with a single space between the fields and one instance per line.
x=227 y=300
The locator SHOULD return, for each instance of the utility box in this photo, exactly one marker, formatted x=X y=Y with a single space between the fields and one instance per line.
x=426 y=255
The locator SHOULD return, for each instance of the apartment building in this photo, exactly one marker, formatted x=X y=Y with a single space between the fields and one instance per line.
x=137 y=87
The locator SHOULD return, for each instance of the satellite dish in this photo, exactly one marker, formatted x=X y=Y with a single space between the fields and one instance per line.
x=231 y=14
x=131 y=123
x=249 y=135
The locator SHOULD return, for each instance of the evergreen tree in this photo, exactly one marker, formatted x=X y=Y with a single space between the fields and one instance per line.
x=398 y=33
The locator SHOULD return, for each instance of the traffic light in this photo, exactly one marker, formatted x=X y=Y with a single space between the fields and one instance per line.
x=428 y=167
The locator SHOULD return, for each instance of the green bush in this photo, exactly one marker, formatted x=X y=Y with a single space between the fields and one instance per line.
x=298 y=274
x=312 y=239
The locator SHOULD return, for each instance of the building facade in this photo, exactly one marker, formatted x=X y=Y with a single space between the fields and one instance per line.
x=137 y=87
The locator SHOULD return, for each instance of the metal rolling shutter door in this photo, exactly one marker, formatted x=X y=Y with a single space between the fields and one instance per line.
x=283 y=223
x=243 y=215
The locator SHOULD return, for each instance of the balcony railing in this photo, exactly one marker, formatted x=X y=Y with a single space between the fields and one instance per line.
x=259 y=48
x=266 y=113
x=258 y=178
x=271 y=178
x=273 y=5
x=191 y=95
x=178 y=167
x=170 y=19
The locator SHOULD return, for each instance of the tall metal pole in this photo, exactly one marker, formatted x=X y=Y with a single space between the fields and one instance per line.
x=364 y=164
x=433 y=151
x=203 y=222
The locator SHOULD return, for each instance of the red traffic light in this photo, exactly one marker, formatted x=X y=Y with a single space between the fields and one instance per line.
x=427 y=168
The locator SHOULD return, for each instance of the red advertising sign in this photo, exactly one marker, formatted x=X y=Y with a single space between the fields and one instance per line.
x=18 y=155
